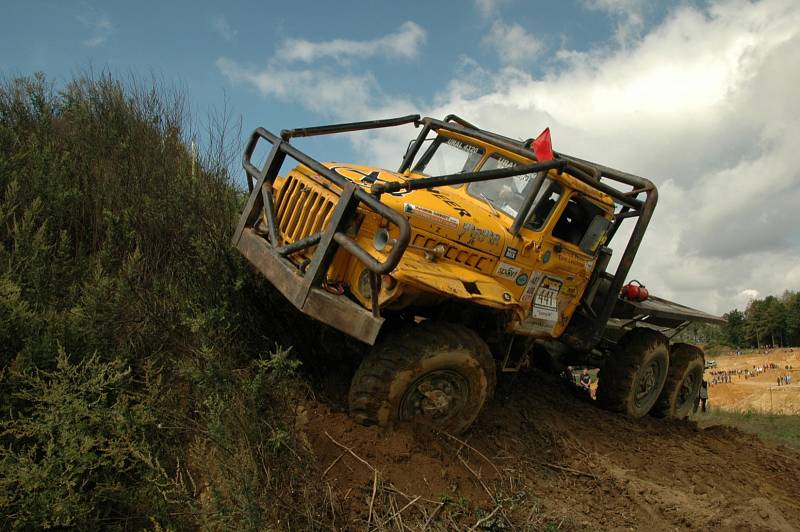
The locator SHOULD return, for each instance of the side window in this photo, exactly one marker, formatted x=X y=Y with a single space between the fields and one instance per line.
x=543 y=205
x=576 y=219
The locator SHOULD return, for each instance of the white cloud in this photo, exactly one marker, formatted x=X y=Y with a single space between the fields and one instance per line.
x=744 y=297
x=100 y=28
x=316 y=89
x=342 y=92
x=487 y=8
x=512 y=43
x=405 y=44
x=220 y=25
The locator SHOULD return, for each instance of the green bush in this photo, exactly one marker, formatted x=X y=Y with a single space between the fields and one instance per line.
x=114 y=248
x=71 y=456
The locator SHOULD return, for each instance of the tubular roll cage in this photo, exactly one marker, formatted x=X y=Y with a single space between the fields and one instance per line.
x=305 y=288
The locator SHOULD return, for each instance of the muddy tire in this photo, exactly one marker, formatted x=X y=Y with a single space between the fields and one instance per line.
x=633 y=377
x=683 y=382
x=440 y=374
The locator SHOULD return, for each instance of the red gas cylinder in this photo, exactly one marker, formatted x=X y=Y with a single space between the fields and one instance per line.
x=635 y=292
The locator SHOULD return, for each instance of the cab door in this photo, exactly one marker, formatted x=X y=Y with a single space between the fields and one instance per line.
x=564 y=261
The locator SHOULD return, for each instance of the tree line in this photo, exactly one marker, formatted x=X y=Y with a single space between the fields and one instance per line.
x=771 y=321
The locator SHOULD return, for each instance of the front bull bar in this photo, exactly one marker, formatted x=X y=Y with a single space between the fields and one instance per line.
x=269 y=255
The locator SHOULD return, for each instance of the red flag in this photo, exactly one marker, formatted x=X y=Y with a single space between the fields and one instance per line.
x=543 y=147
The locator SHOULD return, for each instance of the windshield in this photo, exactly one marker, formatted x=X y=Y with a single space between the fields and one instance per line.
x=508 y=194
x=449 y=156
x=505 y=194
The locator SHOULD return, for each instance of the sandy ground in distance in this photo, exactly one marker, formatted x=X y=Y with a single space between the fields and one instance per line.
x=762 y=392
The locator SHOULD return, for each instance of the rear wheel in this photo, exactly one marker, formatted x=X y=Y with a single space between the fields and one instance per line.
x=632 y=379
x=439 y=374
x=683 y=382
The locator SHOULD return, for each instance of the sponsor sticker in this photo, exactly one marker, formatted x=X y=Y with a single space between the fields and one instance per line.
x=507 y=271
x=511 y=253
x=572 y=258
x=530 y=288
x=431 y=215
x=476 y=234
x=545 y=301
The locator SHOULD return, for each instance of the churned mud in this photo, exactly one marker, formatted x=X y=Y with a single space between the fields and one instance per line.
x=541 y=456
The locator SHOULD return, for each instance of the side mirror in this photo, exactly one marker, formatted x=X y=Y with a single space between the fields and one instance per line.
x=595 y=235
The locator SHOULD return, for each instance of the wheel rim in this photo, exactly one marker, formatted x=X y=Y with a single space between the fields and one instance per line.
x=437 y=397
x=646 y=388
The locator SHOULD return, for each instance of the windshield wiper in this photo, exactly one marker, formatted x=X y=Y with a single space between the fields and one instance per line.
x=491 y=204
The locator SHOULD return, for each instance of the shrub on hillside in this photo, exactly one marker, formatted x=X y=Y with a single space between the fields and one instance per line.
x=71 y=457
x=114 y=249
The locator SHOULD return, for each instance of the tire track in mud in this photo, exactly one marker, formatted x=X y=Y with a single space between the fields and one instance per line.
x=542 y=455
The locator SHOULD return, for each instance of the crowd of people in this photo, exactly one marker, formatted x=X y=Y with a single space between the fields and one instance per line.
x=763 y=350
x=726 y=376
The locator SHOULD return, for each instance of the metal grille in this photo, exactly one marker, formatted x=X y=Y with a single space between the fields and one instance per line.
x=456 y=254
x=302 y=209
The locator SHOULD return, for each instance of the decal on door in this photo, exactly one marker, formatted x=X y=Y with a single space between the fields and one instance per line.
x=530 y=288
x=545 y=300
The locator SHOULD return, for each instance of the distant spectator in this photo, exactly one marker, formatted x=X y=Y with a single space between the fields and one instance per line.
x=586 y=379
x=568 y=374
x=702 y=397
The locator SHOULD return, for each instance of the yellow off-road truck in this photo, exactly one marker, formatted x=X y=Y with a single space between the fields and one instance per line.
x=470 y=259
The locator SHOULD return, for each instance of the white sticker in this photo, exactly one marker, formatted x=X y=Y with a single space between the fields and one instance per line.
x=545 y=302
x=507 y=271
x=430 y=215
x=530 y=288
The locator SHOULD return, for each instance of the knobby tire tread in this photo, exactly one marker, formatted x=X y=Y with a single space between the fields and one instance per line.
x=616 y=377
x=402 y=349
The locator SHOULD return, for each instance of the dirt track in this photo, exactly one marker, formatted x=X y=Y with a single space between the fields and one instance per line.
x=759 y=393
x=542 y=457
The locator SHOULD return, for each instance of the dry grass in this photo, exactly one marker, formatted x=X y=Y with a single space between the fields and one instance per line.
x=770 y=427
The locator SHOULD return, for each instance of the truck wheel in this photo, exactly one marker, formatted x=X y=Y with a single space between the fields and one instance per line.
x=439 y=374
x=633 y=377
x=683 y=382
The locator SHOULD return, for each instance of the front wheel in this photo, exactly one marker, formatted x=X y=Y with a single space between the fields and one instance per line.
x=440 y=374
x=633 y=377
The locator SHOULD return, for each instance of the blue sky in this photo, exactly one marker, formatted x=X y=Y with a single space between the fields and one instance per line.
x=699 y=96
x=182 y=42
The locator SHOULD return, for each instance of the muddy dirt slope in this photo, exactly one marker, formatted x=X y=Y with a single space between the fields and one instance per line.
x=542 y=457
